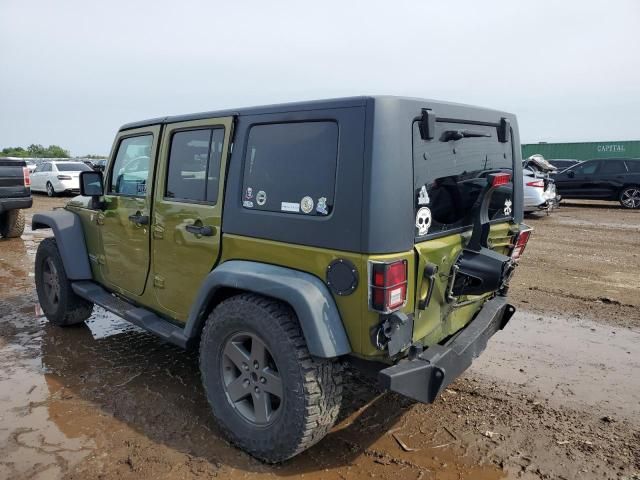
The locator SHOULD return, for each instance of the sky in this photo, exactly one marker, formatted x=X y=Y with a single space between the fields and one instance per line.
x=72 y=72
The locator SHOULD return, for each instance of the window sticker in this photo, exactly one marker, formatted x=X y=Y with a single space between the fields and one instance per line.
x=290 y=207
x=306 y=204
x=507 y=207
x=423 y=197
x=321 y=207
x=423 y=221
x=247 y=204
x=261 y=198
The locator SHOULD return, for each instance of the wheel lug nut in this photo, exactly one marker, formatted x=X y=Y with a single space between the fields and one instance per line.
x=263 y=380
x=256 y=365
x=257 y=390
x=245 y=366
x=245 y=383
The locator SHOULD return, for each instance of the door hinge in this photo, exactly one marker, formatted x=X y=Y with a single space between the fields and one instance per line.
x=158 y=281
x=158 y=232
x=102 y=260
x=100 y=218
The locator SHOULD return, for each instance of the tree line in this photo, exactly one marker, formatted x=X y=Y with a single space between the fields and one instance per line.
x=39 y=151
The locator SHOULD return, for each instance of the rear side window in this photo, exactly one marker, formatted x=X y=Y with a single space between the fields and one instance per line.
x=194 y=165
x=634 y=166
x=612 y=167
x=291 y=168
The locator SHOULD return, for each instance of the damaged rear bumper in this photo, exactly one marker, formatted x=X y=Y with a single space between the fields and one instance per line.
x=430 y=372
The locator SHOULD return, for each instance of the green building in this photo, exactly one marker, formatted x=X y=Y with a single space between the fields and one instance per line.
x=583 y=150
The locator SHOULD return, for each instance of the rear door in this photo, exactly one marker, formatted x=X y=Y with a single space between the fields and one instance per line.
x=610 y=178
x=125 y=221
x=187 y=214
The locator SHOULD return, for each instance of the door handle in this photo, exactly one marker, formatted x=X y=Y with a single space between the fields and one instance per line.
x=204 y=230
x=139 y=219
x=429 y=274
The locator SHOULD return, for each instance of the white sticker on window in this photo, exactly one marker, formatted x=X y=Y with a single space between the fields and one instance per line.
x=290 y=207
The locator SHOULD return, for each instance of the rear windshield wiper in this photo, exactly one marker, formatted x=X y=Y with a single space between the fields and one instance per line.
x=458 y=134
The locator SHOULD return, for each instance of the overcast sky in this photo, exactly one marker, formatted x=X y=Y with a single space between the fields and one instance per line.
x=71 y=72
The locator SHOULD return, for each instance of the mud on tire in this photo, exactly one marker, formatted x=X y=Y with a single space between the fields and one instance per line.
x=311 y=387
x=58 y=301
x=11 y=224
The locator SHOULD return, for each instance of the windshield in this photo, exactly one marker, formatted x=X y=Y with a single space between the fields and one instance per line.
x=72 y=167
x=452 y=169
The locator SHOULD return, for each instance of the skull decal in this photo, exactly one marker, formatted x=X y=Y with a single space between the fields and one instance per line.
x=507 y=207
x=423 y=221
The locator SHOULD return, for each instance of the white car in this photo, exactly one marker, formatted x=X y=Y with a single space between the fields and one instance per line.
x=58 y=177
x=539 y=191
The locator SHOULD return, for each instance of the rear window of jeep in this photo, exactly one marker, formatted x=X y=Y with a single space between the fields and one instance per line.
x=291 y=168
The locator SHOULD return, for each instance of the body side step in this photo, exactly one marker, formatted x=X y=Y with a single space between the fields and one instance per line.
x=137 y=315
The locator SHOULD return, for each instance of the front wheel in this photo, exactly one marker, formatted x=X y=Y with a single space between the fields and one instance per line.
x=11 y=224
x=59 y=302
x=50 y=191
x=630 y=197
x=268 y=394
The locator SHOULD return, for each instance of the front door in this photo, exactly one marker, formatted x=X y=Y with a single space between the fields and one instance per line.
x=126 y=218
x=187 y=214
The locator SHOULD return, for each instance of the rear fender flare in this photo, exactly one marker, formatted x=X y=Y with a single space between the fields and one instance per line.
x=308 y=296
x=69 y=235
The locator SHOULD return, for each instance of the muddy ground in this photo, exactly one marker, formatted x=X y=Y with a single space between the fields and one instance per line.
x=555 y=395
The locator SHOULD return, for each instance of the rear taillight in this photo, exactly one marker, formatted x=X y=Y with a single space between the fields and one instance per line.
x=521 y=243
x=26 y=176
x=64 y=177
x=536 y=183
x=498 y=179
x=388 y=286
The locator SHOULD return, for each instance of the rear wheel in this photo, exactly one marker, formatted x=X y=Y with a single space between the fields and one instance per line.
x=630 y=197
x=268 y=394
x=12 y=223
x=59 y=302
x=50 y=191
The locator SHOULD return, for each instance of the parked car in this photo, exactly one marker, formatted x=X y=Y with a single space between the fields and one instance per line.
x=58 y=177
x=336 y=230
x=15 y=195
x=563 y=163
x=539 y=191
x=602 y=179
x=31 y=165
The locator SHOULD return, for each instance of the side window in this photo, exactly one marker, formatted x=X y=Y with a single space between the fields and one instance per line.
x=612 y=167
x=587 y=168
x=633 y=165
x=291 y=167
x=194 y=165
x=130 y=169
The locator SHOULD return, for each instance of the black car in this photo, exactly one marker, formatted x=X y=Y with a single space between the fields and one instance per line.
x=563 y=163
x=604 y=179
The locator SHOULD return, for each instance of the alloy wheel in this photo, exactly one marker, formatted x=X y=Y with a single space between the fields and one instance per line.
x=630 y=197
x=252 y=383
x=51 y=282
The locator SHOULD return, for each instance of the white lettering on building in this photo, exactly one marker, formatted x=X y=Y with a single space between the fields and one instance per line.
x=610 y=148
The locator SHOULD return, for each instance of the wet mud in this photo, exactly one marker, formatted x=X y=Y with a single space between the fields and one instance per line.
x=556 y=395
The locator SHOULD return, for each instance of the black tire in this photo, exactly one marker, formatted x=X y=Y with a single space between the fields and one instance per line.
x=12 y=224
x=58 y=301
x=50 y=190
x=630 y=197
x=311 y=387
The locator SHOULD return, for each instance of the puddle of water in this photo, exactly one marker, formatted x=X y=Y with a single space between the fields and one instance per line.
x=568 y=361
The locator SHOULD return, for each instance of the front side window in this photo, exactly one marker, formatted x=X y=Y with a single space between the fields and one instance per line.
x=291 y=168
x=633 y=166
x=587 y=168
x=130 y=171
x=194 y=165
x=612 y=167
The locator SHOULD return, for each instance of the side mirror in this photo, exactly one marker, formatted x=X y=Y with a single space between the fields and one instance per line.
x=571 y=174
x=91 y=184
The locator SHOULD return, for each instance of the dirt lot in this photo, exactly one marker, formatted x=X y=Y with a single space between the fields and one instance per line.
x=556 y=395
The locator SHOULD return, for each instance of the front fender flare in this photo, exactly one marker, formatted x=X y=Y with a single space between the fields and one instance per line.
x=308 y=296
x=67 y=230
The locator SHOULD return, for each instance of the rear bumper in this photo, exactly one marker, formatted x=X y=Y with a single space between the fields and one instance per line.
x=15 y=203
x=426 y=376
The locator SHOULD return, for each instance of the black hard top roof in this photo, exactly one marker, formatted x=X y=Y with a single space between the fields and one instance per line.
x=345 y=102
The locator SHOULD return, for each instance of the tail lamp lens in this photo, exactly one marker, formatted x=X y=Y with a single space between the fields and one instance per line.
x=26 y=176
x=388 y=286
x=537 y=183
x=498 y=179
x=521 y=243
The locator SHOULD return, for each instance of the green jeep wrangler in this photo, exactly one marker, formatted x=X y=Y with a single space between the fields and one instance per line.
x=285 y=240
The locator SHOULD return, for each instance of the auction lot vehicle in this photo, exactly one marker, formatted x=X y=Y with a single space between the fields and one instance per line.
x=286 y=240
x=604 y=179
x=15 y=195
x=563 y=163
x=58 y=177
